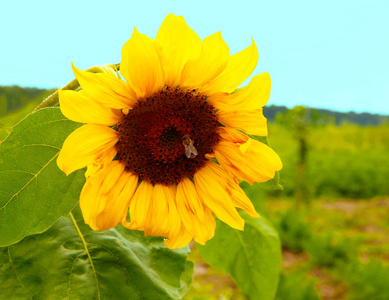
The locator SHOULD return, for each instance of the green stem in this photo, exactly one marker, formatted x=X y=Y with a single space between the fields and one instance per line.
x=53 y=100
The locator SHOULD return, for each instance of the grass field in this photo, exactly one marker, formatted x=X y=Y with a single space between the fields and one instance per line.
x=346 y=161
x=336 y=246
x=336 y=249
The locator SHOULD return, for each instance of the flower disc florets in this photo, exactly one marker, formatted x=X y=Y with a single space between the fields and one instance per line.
x=152 y=135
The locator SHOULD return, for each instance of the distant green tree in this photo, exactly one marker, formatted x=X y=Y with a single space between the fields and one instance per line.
x=332 y=117
x=299 y=120
x=15 y=97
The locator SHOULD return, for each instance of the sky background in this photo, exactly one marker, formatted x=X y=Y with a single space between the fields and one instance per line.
x=322 y=54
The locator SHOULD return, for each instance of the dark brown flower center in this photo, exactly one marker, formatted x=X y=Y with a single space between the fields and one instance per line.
x=164 y=137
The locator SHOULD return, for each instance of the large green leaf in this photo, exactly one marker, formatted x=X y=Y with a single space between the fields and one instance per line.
x=34 y=192
x=252 y=257
x=71 y=261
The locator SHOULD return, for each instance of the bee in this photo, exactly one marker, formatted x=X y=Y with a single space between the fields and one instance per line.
x=190 y=150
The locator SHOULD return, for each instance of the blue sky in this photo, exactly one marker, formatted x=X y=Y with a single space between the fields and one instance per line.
x=324 y=54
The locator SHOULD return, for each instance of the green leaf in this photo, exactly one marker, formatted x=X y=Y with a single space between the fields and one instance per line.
x=34 y=192
x=252 y=257
x=72 y=261
x=274 y=183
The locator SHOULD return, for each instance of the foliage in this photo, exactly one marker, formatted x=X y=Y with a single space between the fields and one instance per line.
x=332 y=117
x=34 y=193
x=15 y=97
x=70 y=260
x=343 y=233
x=328 y=249
x=294 y=230
x=347 y=161
x=252 y=256
x=367 y=280
x=296 y=285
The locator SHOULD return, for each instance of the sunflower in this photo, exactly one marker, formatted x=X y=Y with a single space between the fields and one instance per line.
x=165 y=148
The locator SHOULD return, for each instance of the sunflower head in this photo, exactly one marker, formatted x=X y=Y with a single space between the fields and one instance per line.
x=165 y=147
x=165 y=137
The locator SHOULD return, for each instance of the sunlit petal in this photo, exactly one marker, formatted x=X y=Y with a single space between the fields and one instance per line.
x=105 y=88
x=239 y=67
x=104 y=199
x=141 y=65
x=253 y=96
x=87 y=145
x=211 y=62
x=179 y=44
x=250 y=121
x=256 y=163
x=211 y=186
x=79 y=107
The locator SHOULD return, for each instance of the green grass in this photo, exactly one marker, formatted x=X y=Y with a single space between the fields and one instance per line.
x=347 y=161
x=296 y=285
x=293 y=229
x=338 y=238
x=367 y=280
x=347 y=239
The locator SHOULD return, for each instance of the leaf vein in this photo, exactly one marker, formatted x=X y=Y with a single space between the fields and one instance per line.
x=16 y=274
x=87 y=252
x=35 y=176
x=246 y=255
x=121 y=264
x=71 y=270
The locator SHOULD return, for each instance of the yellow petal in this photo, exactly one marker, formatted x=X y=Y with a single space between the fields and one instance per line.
x=253 y=96
x=140 y=205
x=79 y=107
x=153 y=209
x=177 y=235
x=116 y=208
x=211 y=62
x=158 y=222
x=141 y=65
x=246 y=147
x=249 y=121
x=196 y=217
x=106 y=88
x=163 y=217
x=90 y=144
x=182 y=239
x=239 y=67
x=240 y=199
x=257 y=164
x=212 y=188
x=179 y=45
x=104 y=200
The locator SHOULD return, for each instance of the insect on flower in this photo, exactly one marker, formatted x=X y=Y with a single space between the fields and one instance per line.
x=190 y=150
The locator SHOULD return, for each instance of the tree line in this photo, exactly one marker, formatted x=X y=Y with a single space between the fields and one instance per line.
x=329 y=116
x=14 y=97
